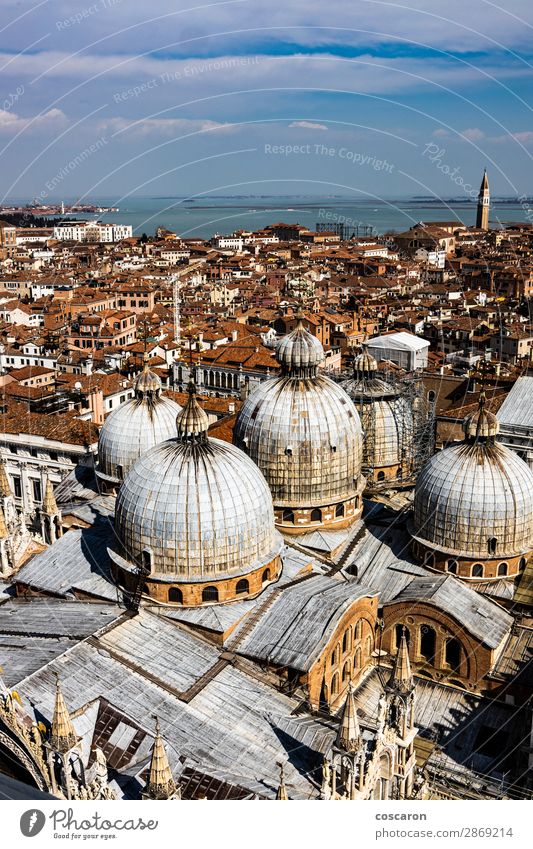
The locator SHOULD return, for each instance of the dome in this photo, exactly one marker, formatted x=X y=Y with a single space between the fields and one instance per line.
x=365 y=364
x=475 y=499
x=196 y=508
x=299 y=351
x=304 y=433
x=135 y=427
x=388 y=425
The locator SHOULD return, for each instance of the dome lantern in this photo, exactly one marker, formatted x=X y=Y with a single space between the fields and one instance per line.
x=192 y=422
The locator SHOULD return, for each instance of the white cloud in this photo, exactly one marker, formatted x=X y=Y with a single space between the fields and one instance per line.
x=308 y=125
x=159 y=126
x=473 y=134
x=10 y=122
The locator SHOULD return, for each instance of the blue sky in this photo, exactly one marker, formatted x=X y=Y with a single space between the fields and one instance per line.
x=105 y=98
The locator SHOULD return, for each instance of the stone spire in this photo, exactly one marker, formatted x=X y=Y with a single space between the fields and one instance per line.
x=160 y=784
x=63 y=736
x=401 y=678
x=49 y=500
x=281 y=793
x=4 y=533
x=349 y=733
x=192 y=421
x=5 y=488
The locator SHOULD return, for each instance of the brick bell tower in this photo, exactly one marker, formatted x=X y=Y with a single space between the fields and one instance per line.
x=483 y=204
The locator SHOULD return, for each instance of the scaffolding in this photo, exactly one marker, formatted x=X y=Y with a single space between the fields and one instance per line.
x=398 y=422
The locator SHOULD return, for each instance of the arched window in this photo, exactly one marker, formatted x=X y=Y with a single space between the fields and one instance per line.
x=209 y=594
x=493 y=542
x=359 y=629
x=357 y=663
x=339 y=510
x=335 y=684
x=146 y=560
x=477 y=570
x=346 y=641
x=346 y=673
x=399 y=630
x=316 y=515
x=175 y=594
x=288 y=516
x=453 y=654
x=356 y=502
x=451 y=566
x=266 y=576
x=502 y=568
x=428 y=639
x=522 y=564
x=381 y=476
x=119 y=471
x=242 y=586
x=368 y=646
x=429 y=559
x=335 y=655
x=431 y=395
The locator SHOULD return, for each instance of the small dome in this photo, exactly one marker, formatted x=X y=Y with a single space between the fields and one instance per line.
x=471 y=493
x=299 y=352
x=192 y=422
x=135 y=427
x=199 y=506
x=483 y=424
x=365 y=364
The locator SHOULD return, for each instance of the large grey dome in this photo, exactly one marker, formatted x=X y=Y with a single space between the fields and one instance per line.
x=200 y=507
x=303 y=431
x=471 y=493
x=136 y=426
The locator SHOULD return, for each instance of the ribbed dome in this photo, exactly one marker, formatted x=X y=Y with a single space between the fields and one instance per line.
x=192 y=422
x=136 y=426
x=471 y=493
x=305 y=436
x=388 y=424
x=201 y=509
x=299 y=352
x=365 y=364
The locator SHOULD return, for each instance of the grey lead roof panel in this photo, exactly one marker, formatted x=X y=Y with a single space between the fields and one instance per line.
x=517 y=409
x=294 y=630
x=479 y=615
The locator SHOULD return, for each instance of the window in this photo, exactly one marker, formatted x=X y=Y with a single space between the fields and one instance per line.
x=492 y=545
x=477 y=570
x=502 y=568
x=146 y=560
x=381 y=476
x=453 y=654
x=339 y=510
x=522 y=564
x=36 y=487
x=399 y=630
x=265 y=576
x=288 y=517
x=335 y=654
x=346 y=672
x=175 y=594
x=431 y=395
x=316 y=515
x=451 y=566
x=335 y=684
x=242 y=586
x=119 y=471
x=17 y=487
x=427 y=642
x=210 y=594
x=357 y=660
x=346 y=640
x=359 y=630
